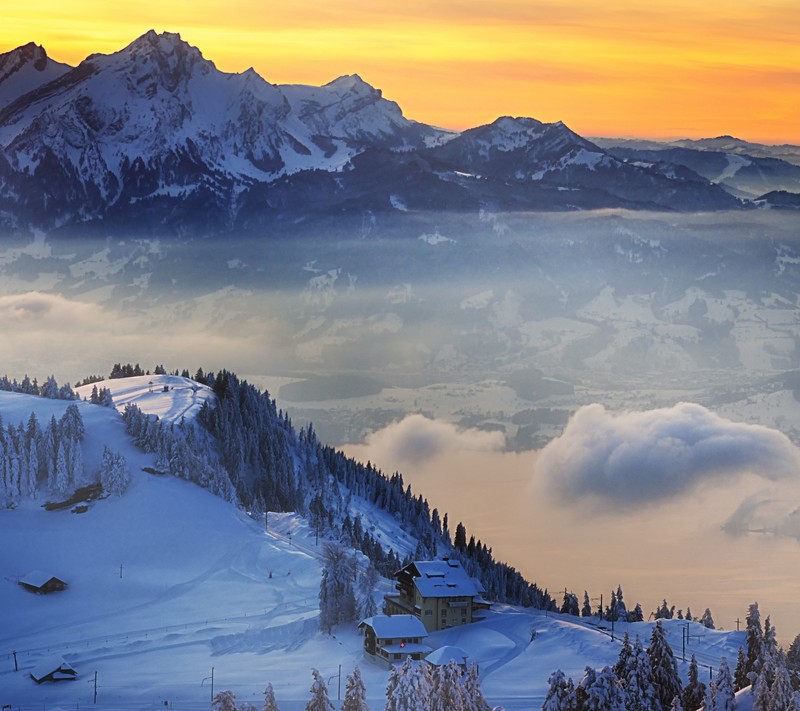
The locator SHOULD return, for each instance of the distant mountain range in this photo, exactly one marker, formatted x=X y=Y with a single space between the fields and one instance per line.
x=155 y=139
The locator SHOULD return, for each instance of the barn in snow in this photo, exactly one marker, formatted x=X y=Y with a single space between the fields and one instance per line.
x=42 y=583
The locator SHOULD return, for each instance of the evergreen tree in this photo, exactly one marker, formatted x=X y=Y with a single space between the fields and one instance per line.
x=640 y=692
x=707 y=620
x=740 y=678
x=319 y=701
x=114 y=474
x=269 y=699
x=355 y=694
x=763 y=685
x=336 y=597
x=586 y=610
x=224 y=701
x=636 y=615
x=722 y=694
x=409 y=688
x=561 y=693
x=620 y=668
x=793 y=654
x=664 y=667
x=600 y=691
x=754 y=642
x=475 y=700
x=781 y=693
x=694 y=693
x=447 y=693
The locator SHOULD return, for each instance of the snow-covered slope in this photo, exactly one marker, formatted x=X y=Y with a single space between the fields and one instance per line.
x=168 y=397
x=169 y=585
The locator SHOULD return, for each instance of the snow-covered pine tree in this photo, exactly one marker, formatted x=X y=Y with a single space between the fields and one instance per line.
x=586 y=609
x=781 y=694
x=763 y=684
x=475 y=700
x=793 y=654
x=640 y=694
x=409 y=688
x=560 y=694
x=740 y=679
x=694 y=693
x=270 y=704
x=707 y=620
x=224 y=701
x=722 y=693
x=355 y=693
x=447 y=693
x=319 y=701
x=621 y=665
x=336 y=597
x=666 y=680
x=114 y=474
x=63 y=481
x=600 y=691
x=754 y=642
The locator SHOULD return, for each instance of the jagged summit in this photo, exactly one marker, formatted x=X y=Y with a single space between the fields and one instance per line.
x=24 y=69
x=155 y=133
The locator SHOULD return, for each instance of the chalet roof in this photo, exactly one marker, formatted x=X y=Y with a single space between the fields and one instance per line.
x=442 y=578
x=38 y=579
x=396 y=626
x=441 y=656
x=54 y=668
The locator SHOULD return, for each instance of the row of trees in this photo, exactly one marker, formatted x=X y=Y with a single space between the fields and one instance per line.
x=49 y=389
x=35 y=459
x=648 y=680
x=412 y=686
x=641 y=680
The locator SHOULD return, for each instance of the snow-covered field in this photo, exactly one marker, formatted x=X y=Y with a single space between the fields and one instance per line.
x=169 y=585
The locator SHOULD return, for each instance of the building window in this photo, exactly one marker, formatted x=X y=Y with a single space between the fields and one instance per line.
x=428 y=613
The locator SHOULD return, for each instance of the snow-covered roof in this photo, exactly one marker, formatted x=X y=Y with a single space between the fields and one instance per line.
x=37 y=579
x=55 y=668
x=443 y=578
x=396 y=626
x=441 y=656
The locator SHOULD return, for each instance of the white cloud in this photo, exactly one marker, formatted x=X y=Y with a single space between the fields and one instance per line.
x=417 y=438
x=642 y=457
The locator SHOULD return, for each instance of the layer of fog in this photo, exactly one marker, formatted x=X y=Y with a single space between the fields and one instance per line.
x=705 y=545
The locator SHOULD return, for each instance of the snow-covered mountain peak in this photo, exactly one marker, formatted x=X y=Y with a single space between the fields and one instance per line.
x=12 y=61
x=24 y=69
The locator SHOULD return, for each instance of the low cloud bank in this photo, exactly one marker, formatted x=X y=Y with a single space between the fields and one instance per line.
x=647 y=457
x=417 y=438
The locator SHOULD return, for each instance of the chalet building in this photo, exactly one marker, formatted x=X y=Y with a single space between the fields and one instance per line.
x=55 y=669
x=438 y=592
x=42 y=583
x=391 y=640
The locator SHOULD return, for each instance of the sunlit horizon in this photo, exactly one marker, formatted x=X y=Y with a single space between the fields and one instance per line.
x=605 y=69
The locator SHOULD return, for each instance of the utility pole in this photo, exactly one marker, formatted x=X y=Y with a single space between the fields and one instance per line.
x=738 y=621
x=212 y=684
x=95 y=688
x=16 y=668
x=120 y=571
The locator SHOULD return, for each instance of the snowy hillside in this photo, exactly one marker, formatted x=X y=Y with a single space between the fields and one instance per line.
x=169 y=584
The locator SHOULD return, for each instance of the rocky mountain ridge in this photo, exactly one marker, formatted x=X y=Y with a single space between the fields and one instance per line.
x=155 y=139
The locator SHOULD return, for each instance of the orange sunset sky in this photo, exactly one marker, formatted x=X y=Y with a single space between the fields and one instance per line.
x=681 y=68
